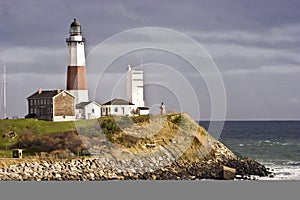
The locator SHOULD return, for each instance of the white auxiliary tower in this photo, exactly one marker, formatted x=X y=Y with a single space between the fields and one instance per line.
x=135 y=87
x=76 y=79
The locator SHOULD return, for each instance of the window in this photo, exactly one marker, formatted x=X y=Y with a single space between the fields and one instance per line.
x=93 y=110
x=31 y=111
x=116 y=109
x=31 y=102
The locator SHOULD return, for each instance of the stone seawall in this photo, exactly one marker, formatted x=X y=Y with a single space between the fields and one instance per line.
x=96 y=169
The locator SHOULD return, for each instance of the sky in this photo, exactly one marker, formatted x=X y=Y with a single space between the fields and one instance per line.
x=253 y=44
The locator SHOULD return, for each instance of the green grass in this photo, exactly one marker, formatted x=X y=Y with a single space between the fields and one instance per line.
x=31 y=126
x=5 y=153
x=37 y=127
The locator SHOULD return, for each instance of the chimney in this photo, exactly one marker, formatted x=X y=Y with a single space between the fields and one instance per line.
x=58 y=91
x=40 y=91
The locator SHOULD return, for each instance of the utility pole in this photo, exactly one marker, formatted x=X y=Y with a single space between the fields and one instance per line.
x=4 y=91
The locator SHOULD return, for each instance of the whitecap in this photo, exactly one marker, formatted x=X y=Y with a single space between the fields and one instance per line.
x=287 y=170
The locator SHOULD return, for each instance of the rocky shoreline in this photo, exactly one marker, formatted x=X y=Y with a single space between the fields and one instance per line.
x=98 y=169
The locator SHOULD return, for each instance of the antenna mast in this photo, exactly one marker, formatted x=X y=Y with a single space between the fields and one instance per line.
x=4 y=92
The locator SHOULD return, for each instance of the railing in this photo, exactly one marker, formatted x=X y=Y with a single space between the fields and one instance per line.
x=72 y=40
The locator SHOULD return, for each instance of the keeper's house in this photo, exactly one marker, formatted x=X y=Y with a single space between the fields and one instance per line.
x=55 y=105
x=119 y=107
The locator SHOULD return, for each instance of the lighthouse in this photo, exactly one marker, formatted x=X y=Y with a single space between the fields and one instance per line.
x=76 y=77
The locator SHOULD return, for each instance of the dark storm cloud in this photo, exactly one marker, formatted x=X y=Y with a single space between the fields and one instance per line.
x=254 y=43
x=35 y=22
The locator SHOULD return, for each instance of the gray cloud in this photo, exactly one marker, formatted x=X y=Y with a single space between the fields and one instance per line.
x=255 y=44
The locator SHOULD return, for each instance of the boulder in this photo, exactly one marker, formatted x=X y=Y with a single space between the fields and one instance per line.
x=228 y=173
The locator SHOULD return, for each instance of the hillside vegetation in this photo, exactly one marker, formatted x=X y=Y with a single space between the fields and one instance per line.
x=177 y=135
x=12 y=131
x=154 y=147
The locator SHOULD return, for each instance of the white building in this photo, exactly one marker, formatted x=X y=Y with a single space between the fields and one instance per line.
x=119 y=107
x=88 y=110
x=143 y=111
x=135 y=87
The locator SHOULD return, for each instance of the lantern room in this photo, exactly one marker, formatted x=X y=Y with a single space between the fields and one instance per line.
x=75 y=28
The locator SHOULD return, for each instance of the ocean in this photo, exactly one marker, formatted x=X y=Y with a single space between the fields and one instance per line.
x=276 y=144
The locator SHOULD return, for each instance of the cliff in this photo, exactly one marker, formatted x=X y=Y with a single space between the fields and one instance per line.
x=144 y=147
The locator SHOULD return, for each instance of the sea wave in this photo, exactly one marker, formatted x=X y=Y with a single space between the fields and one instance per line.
x=282 y=170
x=277 y=143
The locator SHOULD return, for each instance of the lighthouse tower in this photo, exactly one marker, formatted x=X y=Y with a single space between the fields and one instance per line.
x=76 y=78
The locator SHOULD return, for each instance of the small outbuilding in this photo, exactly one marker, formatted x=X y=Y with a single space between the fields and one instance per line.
x=143 y=110
x=88 y=110
x=17 y=153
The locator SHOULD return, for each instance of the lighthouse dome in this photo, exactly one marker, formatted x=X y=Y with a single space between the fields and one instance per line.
x=75 y=23
x=75 y=28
